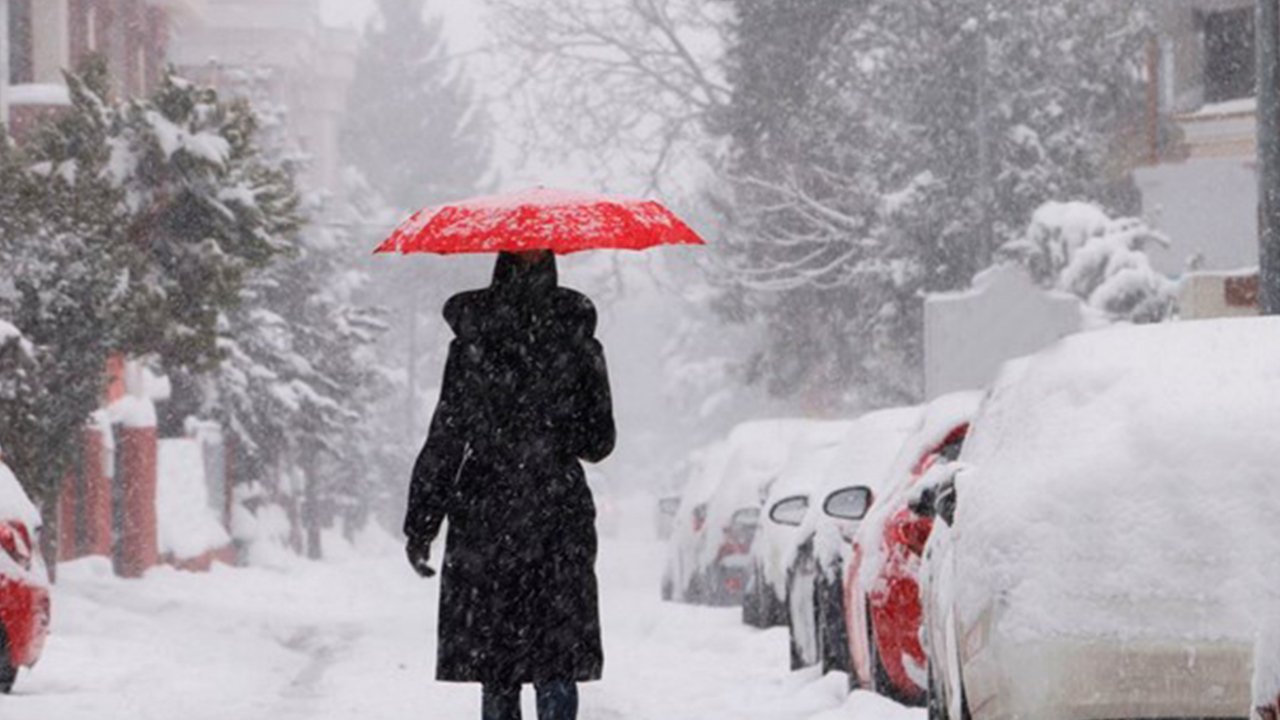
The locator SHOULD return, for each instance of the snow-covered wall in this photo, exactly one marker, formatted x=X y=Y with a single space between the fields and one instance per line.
x=1209 y=209
x=188 y=525
x=969 y=335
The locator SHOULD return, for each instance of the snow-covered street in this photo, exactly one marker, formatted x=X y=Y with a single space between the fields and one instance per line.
x=354 y=637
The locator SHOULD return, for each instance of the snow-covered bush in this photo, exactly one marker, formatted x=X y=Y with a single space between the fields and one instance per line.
x=1077 y=247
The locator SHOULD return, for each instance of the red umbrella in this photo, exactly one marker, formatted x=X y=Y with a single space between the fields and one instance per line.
x=541 y=219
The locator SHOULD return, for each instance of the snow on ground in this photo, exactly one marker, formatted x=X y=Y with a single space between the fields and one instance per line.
x=354 y=637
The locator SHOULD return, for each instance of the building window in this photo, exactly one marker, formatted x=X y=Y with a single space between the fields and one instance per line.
x=1230 y=65
x=21 y=51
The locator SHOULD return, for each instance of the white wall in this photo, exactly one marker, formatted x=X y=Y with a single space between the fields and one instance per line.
x=969 y=335
x=1208 y=207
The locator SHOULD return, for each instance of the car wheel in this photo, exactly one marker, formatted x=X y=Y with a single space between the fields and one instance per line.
x=797 y=653
x=8 y=673
x=833 y=638
x=696 y=594
x=754 y=611
x=775 y=609
x=935 y=703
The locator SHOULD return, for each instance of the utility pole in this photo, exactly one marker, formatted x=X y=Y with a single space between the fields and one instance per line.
x=1268 y=27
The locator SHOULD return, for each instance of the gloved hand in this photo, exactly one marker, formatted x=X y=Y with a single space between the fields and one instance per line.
x=419 y=553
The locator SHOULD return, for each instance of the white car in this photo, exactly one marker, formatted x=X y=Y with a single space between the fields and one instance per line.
x=681 y=579
x=1107 y=542
x=786 y=504
x=757 y=451
x=814 y=566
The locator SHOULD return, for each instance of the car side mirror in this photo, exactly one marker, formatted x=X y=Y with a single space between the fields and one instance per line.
x=790 y=511
x=851 y=503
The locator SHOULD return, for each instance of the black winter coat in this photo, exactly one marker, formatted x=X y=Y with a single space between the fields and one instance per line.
x=525 y=397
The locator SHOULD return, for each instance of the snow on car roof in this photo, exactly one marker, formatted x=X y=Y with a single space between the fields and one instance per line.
x=869 y=449
x=14 y=503
x=863 y=458
x=808 y=457
x=1125 y=467
x=708 y=467
x=758 y=451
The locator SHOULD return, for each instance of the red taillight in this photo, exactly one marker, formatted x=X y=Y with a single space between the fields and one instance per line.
x=912 y=531
x=16 y=542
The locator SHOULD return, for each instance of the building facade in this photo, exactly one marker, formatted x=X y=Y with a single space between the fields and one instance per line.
x=44 y=38
x=1199 y=184
x=297 y=60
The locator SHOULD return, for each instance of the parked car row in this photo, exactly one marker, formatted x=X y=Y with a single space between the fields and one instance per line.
x=1094 y=537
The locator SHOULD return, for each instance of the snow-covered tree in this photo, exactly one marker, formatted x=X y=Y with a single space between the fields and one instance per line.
x=413 y=127
x=914 y=140
x=298 y=377
x=60 y=222
x=1076 y=247
x=204 y=210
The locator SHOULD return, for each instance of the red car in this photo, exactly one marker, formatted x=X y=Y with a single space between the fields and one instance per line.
x=24 y=582
x=882 y=592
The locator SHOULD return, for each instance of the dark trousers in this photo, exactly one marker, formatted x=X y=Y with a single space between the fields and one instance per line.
x=556 y=701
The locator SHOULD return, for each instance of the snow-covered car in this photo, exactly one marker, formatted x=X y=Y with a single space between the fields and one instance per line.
x=682 y=579
x=785 y=507
x=665 y=516
x=880 y=578
x=850 y=482
x=757 y=451
x=24 y=582
x=1108 y=536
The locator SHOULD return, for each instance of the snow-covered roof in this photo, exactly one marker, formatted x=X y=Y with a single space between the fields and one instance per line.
x=1125 y=466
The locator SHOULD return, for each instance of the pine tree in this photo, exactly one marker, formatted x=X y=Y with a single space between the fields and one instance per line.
x=204 y=211
x=414 y=128
x=60 y=233
x=299 y=378
x=416 y=135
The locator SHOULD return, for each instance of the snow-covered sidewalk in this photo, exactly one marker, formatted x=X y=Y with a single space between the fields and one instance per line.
x=355 y=638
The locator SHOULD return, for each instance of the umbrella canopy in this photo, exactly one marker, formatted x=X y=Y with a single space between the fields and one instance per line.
x=560 y=221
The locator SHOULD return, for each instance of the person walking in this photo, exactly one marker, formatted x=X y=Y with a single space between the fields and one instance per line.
x=525 y=399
